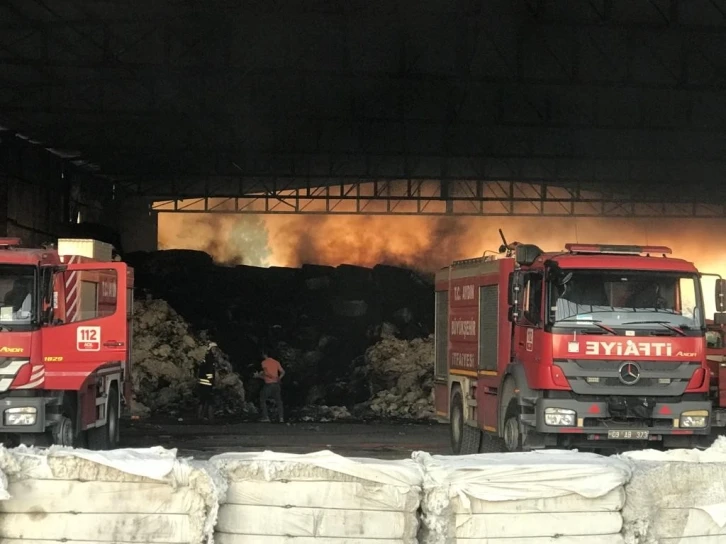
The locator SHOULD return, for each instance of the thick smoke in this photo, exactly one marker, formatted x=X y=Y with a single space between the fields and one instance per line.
x=228 y=239
x=425 y=243
x=365 y=240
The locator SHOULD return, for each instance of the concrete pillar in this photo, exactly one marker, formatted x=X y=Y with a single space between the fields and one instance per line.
x=138 y=225
x=4 y=197
x=4 y=191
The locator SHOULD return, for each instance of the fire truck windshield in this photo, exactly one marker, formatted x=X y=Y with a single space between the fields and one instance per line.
x=633 y=298
x=16 y=295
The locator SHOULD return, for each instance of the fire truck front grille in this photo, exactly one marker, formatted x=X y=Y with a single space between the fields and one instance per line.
x=627 y=423
x=593 y=377
x=644 y=382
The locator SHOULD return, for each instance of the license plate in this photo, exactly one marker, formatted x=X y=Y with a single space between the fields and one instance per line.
x=628 y=435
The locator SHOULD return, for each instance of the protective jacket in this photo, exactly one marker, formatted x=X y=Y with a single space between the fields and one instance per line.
x=206 y=372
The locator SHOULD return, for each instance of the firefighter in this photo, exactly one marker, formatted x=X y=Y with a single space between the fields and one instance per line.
x=272 y=372
x=205 y=383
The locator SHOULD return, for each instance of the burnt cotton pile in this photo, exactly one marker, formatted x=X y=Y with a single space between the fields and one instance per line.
x=355 y=341
x=165 y=356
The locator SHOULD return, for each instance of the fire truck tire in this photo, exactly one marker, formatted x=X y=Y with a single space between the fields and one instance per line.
x=107 y=436
x=512 y=434
x=114 y=416
x=491 y=443
x=63 y=432
x=464 y=438
x=456 y=422
x=471 y=440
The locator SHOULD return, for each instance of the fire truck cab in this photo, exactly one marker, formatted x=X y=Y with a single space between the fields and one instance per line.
x=596 y=346
x=716 y=356
x=65 y=343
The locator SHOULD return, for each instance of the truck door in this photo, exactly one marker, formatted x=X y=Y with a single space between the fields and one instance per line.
x=528 y=334
x=93 y=332
x=127 y=387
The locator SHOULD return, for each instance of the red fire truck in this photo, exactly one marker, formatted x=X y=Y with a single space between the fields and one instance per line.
x=716 y=356
x=596 y=346
x=65 y=343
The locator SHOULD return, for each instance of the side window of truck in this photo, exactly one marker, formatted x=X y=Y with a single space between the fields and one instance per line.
x=89 y=295
x=532 y=313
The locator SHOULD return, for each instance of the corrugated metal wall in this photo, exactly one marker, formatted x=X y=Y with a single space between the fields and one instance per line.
x=41 y=195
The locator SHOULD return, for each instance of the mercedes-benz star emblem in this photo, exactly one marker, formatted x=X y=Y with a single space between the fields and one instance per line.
x=629 y=373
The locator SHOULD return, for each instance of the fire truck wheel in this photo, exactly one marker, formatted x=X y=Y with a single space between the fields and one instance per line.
x=512 y=433
x=64 y=433
x=456 y=422
x=464 y=438
x=471 y=440
x=107 y=436
x=491 y=443
x=114 y=429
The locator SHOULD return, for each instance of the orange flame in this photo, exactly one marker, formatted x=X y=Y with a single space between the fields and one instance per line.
x=425 y=243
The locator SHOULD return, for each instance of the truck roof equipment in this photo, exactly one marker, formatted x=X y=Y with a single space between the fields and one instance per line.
x=8 y=243
x=617 y=250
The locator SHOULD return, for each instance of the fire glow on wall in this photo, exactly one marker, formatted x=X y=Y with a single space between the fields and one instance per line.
x=424 y=243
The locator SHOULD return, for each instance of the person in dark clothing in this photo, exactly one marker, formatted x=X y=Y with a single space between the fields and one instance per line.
x=206 y=375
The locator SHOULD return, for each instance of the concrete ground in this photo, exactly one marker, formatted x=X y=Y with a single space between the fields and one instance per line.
x=379 y=440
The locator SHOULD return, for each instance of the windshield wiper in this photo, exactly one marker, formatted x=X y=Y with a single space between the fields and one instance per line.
x=596 y=322
x=666 y=324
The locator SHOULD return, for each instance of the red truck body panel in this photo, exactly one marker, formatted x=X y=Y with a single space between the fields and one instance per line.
x=83 y=340
x=716 y=355
x=479 y=351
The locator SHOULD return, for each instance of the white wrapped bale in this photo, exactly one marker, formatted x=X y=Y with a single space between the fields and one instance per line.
x=590 y=539
x=548 y=525
x=145 y=495
x=272 y=497
x=531 y=498
x=39 y=525
x=316 y=522
x=610 y=502
x=222 y=538
x=109 y=497
x=676 y=496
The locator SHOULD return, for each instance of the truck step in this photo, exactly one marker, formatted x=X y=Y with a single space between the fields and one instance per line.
x=718 y=418
x=528 y=419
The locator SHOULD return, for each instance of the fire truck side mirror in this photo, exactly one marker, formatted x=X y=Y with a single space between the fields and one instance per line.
x=515 y=287
x=46 y=301
x=47 y=275
x=514 y=295
x=527 y=254
x=720 y=295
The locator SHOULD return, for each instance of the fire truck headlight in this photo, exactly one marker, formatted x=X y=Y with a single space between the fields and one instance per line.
x=21 y=416
x=694 y=419
x=559 y=417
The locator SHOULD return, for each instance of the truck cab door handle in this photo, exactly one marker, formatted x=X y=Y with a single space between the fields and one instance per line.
x=113 y=344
